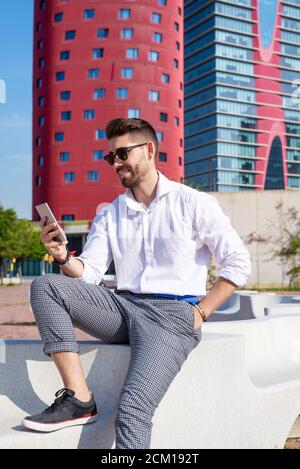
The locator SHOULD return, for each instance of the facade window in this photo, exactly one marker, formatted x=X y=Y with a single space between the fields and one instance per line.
x=70 y=176
x=60 y=76
x=177 y=45
x=160 y=136
x=69 y=35
x=88 y=14
x=100 y=134
x=179 y=103
x=42 y=5
x=89 y=114
x=133 y=113
x=38 y=141
x=65 y=55
x=132 y=53
x=156 y=18
x=38 y=181
x=66 y=115
x=127 y=73
x=41 y=121
x=163 y=117
x=59 y=136
x=163 y=156
x=176 y=63
x=153 y=95
x=153 y=56
x=180 y=161
x=93 y=176
x=64 y=156
x=94 y=73
x=98 y=53
x=176 y=120
x=162 y=2
x=41 y=101
x=68 y=217
x=157 y=37
x=165 y=78
x=103 y=32
x=176 y=26
x=127 y=33
x=39 y=83
x=122 y=93
x=38 y=27
x=98 y=155
x=65 y=95
x=99 y=93
x=58 y=17
x=41 y=160
x=41 y=62
x=124 y=13
x=40 y=44
x=179 y=11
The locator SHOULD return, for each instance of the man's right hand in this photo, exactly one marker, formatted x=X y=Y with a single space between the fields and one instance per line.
x=56 y=249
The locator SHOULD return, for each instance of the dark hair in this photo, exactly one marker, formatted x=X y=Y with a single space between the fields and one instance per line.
x=133 y=126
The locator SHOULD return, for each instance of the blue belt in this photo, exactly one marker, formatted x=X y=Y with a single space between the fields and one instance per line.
x=189 y=298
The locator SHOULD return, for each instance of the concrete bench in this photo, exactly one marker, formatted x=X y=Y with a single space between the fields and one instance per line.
x=222 y=397
x=282 y=309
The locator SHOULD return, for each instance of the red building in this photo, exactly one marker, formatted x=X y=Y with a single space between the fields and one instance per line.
x=94 y=61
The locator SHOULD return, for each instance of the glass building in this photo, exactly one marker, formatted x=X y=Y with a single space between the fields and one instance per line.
x=242 y=94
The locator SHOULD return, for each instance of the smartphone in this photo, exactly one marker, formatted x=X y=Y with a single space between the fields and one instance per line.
x=45 y=211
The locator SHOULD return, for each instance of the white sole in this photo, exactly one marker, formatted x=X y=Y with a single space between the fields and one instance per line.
x=52 y=427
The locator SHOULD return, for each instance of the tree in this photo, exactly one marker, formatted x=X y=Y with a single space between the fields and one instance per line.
x=18 y=238
x=284 y=244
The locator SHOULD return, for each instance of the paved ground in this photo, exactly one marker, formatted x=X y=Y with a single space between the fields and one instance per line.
x=17 y=322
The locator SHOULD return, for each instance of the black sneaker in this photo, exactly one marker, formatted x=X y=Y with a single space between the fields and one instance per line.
x=66 y=411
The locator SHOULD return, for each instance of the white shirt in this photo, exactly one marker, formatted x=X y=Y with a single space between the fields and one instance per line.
x=165 y=247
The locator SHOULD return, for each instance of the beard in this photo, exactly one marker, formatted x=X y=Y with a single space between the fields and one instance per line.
x=129 y=177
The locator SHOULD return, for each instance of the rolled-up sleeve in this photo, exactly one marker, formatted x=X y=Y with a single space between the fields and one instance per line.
x=96 y=255
x=223 y=242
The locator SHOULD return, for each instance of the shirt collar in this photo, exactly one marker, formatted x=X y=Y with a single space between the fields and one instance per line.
x=164 y=186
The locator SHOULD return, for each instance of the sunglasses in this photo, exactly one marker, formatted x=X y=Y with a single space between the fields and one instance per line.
x=121 y=153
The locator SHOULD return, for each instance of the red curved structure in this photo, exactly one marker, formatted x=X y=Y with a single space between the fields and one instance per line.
x=94 y=61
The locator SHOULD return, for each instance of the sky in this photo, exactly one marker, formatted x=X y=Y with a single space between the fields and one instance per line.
x=16 y=31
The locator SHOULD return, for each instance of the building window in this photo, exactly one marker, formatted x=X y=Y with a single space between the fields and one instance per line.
x=41 y=62
x=179 y=103
x=70 y=176
x=163 y=117
x=38 y=27
x=163 y=156
x=59 y=136
x=176 y=120
x=127 y=73
x=162 y=2
x=127 y=33
x=69 y=35
x=157 y=37
x=160 y=136
x=41 y=121
x=177 y=45
x=68 y=217
x=64 y=156
x=156 y=18
x=41 y=101
x=38 y=141
x=176 y=26
x=38 y=181
x=180 y=161
x=98 y=53
x=179 y=11
x=153 y=56
x=66 y=116
x=99 y=93
x=88 y=14
x=41 y=160
x=165 y=78
x=132 y=53
x=98 y=155
x=39 y=83
x=176 y=63
x=124 y=13
x=100 y=134
x=60 y=76
x=133 y=113
x=94 y=73
x=65 y=55
x=122 y=93
x=89 y=114
x=153 y=95
x=93 y=175
x=42 y=5
x=102 y=32
x=65 y=95
x=58 y=17
x=40 y=44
